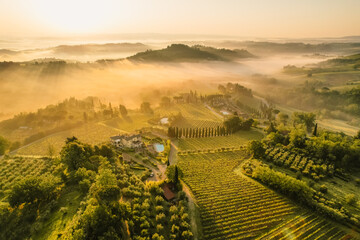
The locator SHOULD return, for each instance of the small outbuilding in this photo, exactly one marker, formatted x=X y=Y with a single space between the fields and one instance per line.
x=168 y=193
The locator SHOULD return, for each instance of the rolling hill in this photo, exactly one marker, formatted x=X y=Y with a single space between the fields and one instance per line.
x=185 y=53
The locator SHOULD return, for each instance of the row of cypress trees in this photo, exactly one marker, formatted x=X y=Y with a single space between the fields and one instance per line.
x=175 y=132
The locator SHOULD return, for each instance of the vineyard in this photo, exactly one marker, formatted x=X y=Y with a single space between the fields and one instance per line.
x=231 y=141
x=92 y=133
x=14 y=169
x=231 y=206
x=306 y=226
x=314 y=168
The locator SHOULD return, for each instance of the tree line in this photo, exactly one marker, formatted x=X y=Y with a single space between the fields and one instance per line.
x=176 y=132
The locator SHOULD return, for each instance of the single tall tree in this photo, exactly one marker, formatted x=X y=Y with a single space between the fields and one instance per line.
x=315 y=130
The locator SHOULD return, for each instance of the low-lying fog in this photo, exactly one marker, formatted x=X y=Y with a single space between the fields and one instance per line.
x=127 y=82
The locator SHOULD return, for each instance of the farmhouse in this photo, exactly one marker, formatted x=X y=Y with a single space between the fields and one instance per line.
x=127 y=141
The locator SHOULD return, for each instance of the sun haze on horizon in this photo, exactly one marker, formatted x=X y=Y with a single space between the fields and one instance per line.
x=260 y=18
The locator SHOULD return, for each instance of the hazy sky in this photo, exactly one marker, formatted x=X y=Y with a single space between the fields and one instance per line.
x=247 y=18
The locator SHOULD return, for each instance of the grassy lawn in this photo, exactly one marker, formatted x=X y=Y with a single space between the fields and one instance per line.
x=69 y=203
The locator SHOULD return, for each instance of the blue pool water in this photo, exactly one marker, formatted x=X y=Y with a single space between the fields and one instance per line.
x=159 y=147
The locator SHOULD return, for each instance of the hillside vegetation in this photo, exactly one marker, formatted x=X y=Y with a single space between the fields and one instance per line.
x=181 y=52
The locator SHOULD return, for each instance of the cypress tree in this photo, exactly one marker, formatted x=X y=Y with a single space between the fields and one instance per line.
x=315 y=130
x=176 y=132
x=170 y=132
x=176 y=175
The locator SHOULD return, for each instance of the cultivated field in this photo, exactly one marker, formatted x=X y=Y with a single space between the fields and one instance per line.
x=233 y=206
x=190 y=111
x=234 y=140
x=306 y=226
x=92 y=133
x=135 y=122
x=14 y=169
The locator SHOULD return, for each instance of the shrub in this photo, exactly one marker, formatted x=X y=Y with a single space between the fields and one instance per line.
x=350 y=199
x=323 y=189
x=311 y=183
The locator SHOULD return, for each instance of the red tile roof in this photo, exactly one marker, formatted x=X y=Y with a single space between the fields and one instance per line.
x=169 y=195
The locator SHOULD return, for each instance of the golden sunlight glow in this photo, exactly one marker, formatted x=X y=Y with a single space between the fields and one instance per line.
x=74 y=16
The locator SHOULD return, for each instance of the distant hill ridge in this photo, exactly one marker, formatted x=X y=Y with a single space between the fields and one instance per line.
x=182 y=52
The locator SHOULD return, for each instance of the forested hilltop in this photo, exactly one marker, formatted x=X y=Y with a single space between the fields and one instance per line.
x=182 y=52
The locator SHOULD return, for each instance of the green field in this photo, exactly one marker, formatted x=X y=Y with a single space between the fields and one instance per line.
x=190 y=112
x=135 y=122
x=92 y=133
x=234 y=140
x=56 y=225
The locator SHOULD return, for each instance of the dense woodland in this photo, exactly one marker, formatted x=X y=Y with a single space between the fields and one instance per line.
x=111 y=194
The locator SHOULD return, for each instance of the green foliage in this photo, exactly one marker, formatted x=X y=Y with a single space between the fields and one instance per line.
x=308 y=119
x=4 y=145
x=123 y=111
x=357 y=136
x=145 y=107
x=315 y=130
x=290 y=186
x=271 y=128
x=256 y=148
x=274 y=138
x=105 y=188
x=173 y=173
x=235 y=89
x=235 y=124
x=34 y=190
x=100 y=222
x=76 y=154
x=350 y=199
x=323 y=188
x=297 y=137
x=175 y=52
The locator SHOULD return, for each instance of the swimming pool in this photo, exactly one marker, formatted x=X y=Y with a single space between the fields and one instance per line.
x=159 y=147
